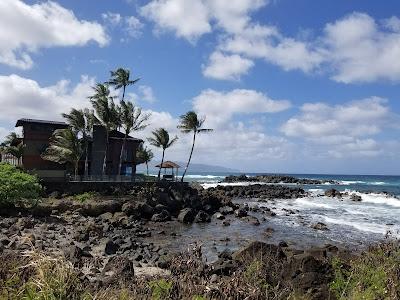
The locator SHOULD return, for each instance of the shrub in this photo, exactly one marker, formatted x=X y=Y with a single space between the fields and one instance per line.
x=17 y=186
x=84 y=197
x=373 y=275
x=161 y=289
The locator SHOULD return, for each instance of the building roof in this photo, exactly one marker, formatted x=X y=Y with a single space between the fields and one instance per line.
x=168 y=165
x=115 y=134
x=21 y=122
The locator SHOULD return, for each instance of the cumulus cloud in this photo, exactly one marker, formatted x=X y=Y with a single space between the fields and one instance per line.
x=26 y=98
x=228 y=67
x=220 y=107
x=24 y=29
x=355 y=48
x=186 y=18
x=145 y=93
x=346 y=128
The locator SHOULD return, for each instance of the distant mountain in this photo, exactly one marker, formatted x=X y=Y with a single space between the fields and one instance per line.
x=193 y=168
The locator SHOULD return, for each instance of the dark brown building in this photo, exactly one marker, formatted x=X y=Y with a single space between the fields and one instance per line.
x=36 y=136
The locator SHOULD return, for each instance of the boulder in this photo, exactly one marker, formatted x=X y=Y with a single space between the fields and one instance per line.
x=186 y=216
x=241 y=212
x=260 y=250
x=161 y=217
x=118 y=269
x=218 y=216
x=138 y=209
x=355 y=197
x=202 y=217
x=96 y=208
x=226 y=210
x=333 y=193
x=320 y=226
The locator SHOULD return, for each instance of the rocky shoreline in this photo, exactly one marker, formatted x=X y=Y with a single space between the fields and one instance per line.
x=104 y=236
x=275 y=179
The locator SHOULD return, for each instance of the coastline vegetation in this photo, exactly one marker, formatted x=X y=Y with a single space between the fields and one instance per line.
x=374 y=274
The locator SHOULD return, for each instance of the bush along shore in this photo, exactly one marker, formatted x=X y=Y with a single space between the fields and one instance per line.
x=107 y=246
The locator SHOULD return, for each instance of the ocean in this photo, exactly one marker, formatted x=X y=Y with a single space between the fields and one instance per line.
x=350 y=224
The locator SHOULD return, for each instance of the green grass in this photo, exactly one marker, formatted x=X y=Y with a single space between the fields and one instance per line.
x=84 y=197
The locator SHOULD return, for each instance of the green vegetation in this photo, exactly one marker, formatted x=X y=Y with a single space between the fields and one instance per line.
x=65 y=147
x=374 y=275
x=161 y=139
x=17 y=186
x=85 y=197
x=190 y=122
x=82 y=122
x=161 y=289
x=144 y=155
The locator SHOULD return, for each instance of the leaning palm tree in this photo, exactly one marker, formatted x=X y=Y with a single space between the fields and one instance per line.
x=82 y=122
x=65 y=147
x=144 y=155
x=190 y=122
x=161 y=139
x=17 y=151
x=106 y=112
x=132 y=119
x=120 y=78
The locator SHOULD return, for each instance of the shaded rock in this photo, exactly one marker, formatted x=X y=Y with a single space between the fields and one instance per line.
x=223 y=266
x=118 y=269
x=226 y=210
x=161 y=217
x=110 y=247
x=252 y=220
x=260 y=250
x=241 y=212
x=355 y=197
x=333 y=193
x=186 y=216
x=202 y=217
x=219 y=216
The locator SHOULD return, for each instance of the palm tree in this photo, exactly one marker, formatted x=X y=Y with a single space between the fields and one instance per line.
x=82 y=122
x=162 y=140
x=106 y=113
x=17 y=151
x=10 y=139
x=121 y=79
x=144 y=155
x=132 y=119
x=65 y=147
x=191 y=123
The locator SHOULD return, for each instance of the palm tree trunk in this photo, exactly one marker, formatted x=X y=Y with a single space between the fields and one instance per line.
x=162 y=161
x=123 y=93
x=121 y=154
x=105 y=154
x=76 y=164
x=190 y=156
x=147 y=168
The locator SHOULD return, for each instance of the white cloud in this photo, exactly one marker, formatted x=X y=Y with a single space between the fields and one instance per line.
x=24 y=29
x=25 y=98
x=360 y=50
x=186 y=18
x=228 y=67
x=219 y=107
x=345 y=129
x=146 y=94
x=131 y=25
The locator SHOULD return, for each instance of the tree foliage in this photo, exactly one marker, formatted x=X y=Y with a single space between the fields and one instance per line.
x=16 y=186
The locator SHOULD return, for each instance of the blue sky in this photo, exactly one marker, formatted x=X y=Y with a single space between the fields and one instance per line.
x=289 y=86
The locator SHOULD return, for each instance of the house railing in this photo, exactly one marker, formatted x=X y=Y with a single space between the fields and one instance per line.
x=107 y=178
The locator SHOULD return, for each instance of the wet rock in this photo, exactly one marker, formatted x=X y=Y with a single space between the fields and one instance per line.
x=219 y=216
x=226 y=223
x=161 y=217
x=320 y=226
x=241 y=212
x=252 y=220
x=355 y=197
x=186 y=216
x=283 y=244
x=226 y=210
x=333 y=193
x=202 y=217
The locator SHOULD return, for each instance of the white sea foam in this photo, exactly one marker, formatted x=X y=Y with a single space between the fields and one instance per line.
x=362 y=226
x=379 y=199
x=349 y=182
x=312 y=202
